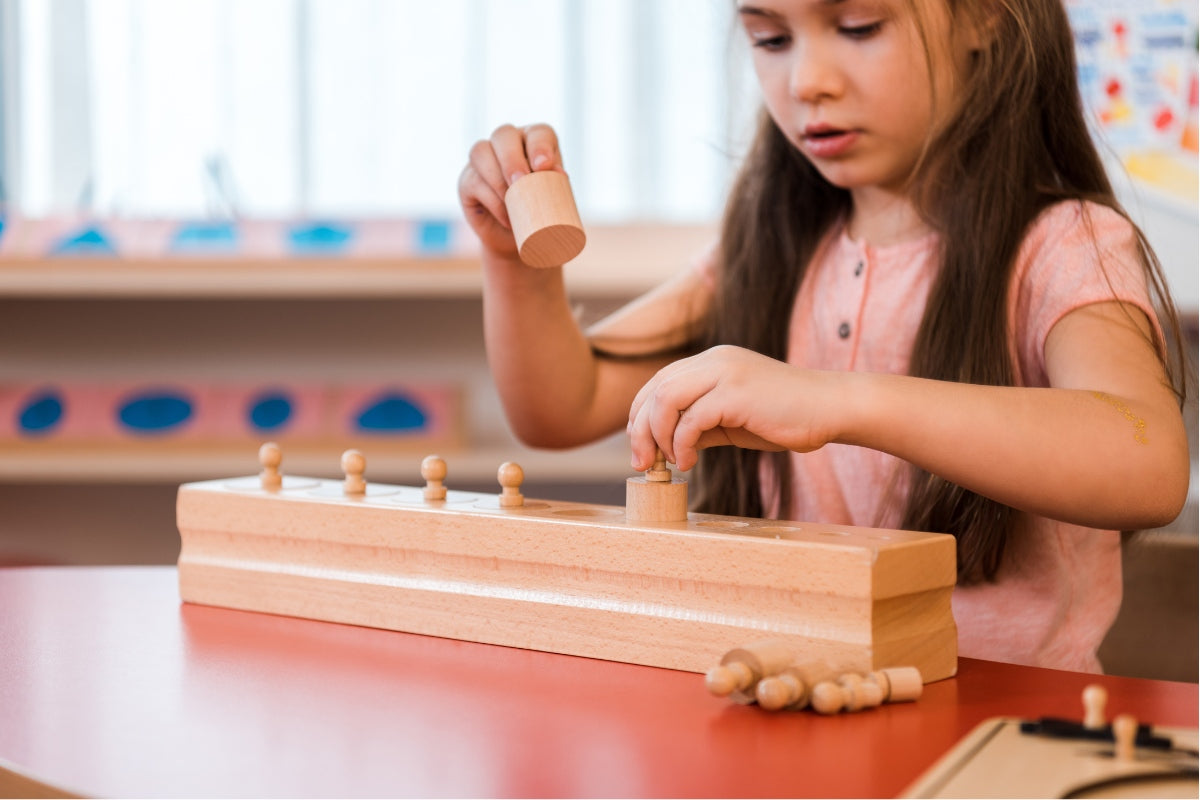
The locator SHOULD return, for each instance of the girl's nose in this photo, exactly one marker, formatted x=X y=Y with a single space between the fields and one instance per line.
x=814 y=76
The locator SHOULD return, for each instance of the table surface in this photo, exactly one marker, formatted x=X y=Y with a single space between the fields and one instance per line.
x=110 y=686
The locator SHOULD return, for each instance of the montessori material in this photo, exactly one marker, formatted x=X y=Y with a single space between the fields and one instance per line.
x=544 y=219
x=575 y=578
x=1006 y=757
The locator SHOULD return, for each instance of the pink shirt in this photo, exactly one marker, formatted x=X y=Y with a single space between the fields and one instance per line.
x=1059 y=586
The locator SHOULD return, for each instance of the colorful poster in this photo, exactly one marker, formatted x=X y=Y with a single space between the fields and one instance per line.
x=1138 y=76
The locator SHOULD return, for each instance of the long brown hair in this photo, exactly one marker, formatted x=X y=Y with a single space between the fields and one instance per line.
x=1017 y=144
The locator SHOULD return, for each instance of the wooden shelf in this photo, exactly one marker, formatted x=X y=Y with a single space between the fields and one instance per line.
x=618 y=260
x=136 y=462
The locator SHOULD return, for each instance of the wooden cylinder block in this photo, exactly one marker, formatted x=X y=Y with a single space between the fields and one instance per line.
x=544 y=219
x=656 y=501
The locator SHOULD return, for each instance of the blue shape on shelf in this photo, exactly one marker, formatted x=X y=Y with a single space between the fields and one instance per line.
x=433 y=236
x=41 y=414
x=1 y=226
x=90 y=241
x=270 y=410
x=391 y=413
x=205 y=237
x=320 y=238
x=158 y=412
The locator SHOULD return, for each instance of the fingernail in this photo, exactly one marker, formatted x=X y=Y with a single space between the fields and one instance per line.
x=542 y=160
x=516 y=176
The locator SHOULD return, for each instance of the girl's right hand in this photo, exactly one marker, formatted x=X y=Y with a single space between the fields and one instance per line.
x=494 y=165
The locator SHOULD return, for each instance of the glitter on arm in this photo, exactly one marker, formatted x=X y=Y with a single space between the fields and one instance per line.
x=1139 y=424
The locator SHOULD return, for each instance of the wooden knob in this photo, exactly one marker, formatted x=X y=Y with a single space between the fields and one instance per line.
x=780 y=691
x=510 y=476
x=433 y=470
x=544 y=219
x=728 y=678
x=827 y=698
x=659 y=471
x=1125 y=735
x=1095 y=697
x=270 y=457
x=354 y=464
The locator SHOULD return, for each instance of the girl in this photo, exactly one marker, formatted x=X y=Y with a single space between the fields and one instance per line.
x=926 y=310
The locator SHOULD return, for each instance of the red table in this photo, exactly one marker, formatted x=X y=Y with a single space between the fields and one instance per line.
x=109 y=686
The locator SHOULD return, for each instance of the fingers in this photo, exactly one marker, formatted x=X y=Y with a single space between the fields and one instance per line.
x=493 y=165
x=481 y=185
x=520 y=151
x=670 y=413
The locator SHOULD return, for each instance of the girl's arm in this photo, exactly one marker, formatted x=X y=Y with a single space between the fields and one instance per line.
x=1104 y=447
x=555 y=391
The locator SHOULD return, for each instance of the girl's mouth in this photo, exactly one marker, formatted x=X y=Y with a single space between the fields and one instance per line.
x=822 y=142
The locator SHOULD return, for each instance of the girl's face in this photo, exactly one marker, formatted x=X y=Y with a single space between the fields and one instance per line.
x=849 y=82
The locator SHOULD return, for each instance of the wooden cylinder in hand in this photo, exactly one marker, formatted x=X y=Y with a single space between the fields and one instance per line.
x=544 y=219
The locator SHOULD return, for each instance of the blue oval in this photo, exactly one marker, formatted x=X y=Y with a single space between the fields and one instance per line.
x=269 y=411
x=41 y=413
x=391 y=412
x=153 y=413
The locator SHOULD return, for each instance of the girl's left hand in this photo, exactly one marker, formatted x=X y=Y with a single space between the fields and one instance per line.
x=730 y=396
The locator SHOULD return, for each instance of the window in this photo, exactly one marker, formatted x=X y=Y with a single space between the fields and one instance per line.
x=265 y=108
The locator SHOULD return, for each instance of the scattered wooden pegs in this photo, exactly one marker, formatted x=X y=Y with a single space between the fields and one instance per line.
x=270 y=457
x=740 y=670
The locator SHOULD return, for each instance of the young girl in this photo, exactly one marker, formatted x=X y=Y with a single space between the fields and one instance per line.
x=926 y=310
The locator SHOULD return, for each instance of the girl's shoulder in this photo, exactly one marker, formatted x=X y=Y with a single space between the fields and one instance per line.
x=1092 y=229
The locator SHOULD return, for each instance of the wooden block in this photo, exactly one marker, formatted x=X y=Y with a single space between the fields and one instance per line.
x=572 y=578
x=544 y=219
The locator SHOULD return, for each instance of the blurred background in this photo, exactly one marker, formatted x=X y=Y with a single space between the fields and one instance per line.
x=224 y=222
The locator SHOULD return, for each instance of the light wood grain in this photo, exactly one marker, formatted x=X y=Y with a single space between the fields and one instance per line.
x=570 y=578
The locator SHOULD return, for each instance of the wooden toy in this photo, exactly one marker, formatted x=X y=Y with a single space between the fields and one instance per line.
x=791 y=688
x=1005 y=757
x=1094 y=699
x=575 y=578
x=544 y=219
x=742 y=668
x=656 y=496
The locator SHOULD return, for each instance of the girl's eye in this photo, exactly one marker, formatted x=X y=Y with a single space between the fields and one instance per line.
x=770 y=42
x=860 y=31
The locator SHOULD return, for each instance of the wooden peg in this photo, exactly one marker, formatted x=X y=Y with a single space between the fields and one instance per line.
x=1095 y=697
x=354 y=464
x=742 y=668
x=1124 y=728
x=791 y=688
x=544 y=219
x=859 y=694
x=510 y=476
x=726 y=679
x=898 y=684
x=659 y=472
x=270 y=457
x=827 y=698
x=656 y=496
x=433 y=470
